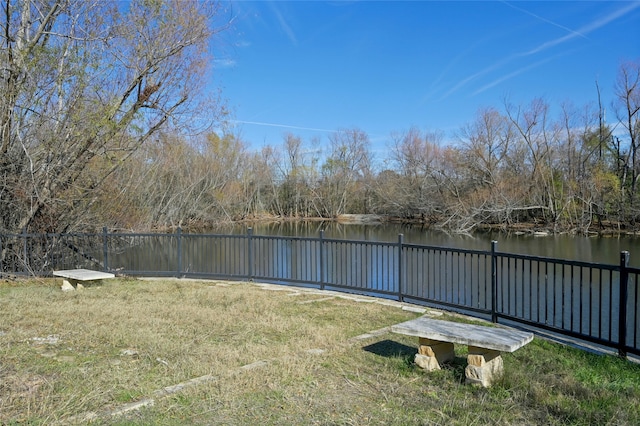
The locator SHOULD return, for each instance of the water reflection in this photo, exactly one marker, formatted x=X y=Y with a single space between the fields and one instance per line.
x=571 y=247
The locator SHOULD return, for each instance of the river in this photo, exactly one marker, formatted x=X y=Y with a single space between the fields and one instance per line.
x=572 y=247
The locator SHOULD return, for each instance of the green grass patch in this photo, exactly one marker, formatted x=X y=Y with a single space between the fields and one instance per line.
x=63 y=355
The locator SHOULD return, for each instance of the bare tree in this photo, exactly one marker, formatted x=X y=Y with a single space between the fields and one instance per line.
x=415 y=157
x=493 y=190
x=627 y=107
x=84 y=84
x=297 y=169
x=342 y=172
x=540 y=138
x=486 y=143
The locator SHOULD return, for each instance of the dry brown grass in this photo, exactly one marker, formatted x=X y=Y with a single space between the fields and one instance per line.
x=69 y=357
x=68 y=353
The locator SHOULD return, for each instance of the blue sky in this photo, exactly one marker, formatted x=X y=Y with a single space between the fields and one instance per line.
x=313 y=67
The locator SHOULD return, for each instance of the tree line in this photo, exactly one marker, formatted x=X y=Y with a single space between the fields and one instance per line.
x=96 y=105
x=571 y=171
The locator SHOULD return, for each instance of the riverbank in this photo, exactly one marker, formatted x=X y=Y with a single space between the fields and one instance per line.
x=604 y=229
x=520 y=228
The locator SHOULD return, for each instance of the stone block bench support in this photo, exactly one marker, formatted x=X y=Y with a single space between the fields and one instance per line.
x=72 y=277
x=484 y=361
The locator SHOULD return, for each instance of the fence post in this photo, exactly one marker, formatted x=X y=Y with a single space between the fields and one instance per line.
x=105 y=250
x=322 y=259
x=179 y=236
x=400 y=265
x=494 y=282
x=622 y=307
x=250 y=253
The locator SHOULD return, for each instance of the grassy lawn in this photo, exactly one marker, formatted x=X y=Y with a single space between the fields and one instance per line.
x=268 y=357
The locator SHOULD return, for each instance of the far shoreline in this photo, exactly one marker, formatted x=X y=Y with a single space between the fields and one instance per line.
x=608 y=229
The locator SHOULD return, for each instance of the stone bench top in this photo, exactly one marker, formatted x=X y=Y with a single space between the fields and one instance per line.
x=497 y=339
x=83 y=274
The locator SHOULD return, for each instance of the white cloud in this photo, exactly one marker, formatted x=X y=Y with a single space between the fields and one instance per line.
x=224 y=63
x=510 y=75
x=581 y=32
x=555 y=24
x=284 y=25
x=286 y=126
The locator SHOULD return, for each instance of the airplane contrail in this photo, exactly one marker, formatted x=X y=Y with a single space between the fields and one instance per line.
x=286 y=126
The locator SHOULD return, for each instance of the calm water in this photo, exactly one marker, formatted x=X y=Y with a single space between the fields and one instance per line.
x=590 y=249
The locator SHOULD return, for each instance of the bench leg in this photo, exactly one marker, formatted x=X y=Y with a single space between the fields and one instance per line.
x=483 y=366
x=69 y=284
x=433 y=353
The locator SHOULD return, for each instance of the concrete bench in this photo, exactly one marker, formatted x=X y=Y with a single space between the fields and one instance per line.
x=484 y=362
x=73 y=277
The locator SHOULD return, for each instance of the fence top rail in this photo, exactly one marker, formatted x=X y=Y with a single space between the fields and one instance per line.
x=544 y=259
x=326 y=240
x=282 y=237
x=52 y=234
x=141 y=234
x=187 y=235
x=170 y=235
x=361 y=242
x=450 y=249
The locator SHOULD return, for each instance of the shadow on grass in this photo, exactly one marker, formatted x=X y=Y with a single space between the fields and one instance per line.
x=392 y=349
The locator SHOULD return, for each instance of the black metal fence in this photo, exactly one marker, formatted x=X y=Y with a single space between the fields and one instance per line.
x=593 y=302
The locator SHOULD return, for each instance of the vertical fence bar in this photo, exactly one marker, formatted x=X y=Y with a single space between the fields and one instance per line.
x=249 y=254
x=610 y=311
x=400 y=275
x=105 y=249
x=321 y=259
x=635 y=311
x=494 y=282
x=622 y=306
x=179 y=251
